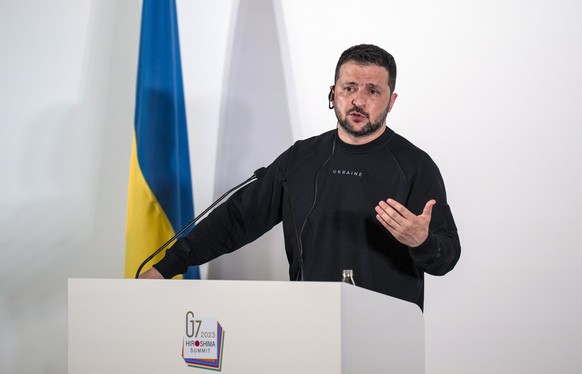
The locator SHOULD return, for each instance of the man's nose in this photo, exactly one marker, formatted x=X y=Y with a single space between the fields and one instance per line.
x=359 y=99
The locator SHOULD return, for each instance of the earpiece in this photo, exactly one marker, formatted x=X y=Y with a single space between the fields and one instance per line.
x=330 y=97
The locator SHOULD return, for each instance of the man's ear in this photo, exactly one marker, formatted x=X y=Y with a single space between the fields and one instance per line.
x=392 y=100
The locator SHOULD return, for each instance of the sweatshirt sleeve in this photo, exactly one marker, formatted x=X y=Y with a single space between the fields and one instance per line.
x=441 y=250
x=244 y=217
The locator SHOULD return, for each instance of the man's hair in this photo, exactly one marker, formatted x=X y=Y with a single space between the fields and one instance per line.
x=368 y=54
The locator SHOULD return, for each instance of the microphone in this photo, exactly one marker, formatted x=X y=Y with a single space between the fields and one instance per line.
x=258 y=174
x=283 y=181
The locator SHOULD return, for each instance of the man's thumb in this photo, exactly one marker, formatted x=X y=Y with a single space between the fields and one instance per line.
x=428 y=208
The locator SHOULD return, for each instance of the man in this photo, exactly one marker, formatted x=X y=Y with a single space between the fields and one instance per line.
x=358 y=197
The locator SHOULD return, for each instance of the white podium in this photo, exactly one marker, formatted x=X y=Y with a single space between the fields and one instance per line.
x=141 y=326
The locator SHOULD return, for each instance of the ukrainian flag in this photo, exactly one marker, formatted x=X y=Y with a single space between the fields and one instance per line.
x=160 y=199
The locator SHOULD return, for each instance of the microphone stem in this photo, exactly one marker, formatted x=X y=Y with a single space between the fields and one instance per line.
x=196 y=219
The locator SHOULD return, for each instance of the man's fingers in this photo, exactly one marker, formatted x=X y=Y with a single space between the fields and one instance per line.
x=388 y=214
x=386 y=225
x=152 y=273
x=401 y=209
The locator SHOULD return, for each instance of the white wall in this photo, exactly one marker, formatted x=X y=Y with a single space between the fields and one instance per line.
x=67 y=91
x=490 y=89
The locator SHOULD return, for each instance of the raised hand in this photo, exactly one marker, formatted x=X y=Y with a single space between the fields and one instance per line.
x=408 y=228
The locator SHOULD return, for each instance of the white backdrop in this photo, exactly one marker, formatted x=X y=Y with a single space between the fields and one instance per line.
x=491 y=90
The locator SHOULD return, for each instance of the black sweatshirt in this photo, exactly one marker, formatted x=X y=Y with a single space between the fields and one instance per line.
x=331 y=188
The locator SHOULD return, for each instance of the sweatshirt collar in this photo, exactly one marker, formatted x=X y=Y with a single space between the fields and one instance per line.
x=382 y=139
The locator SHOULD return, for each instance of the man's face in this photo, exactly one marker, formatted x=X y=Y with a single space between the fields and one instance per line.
x=362 y=101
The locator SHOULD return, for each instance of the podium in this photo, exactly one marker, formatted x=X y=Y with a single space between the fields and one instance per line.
x=148 y=326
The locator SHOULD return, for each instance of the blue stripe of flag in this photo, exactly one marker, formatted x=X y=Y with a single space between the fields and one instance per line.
x=160 y=120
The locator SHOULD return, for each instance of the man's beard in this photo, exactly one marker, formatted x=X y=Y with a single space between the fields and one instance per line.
x=369 y=128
